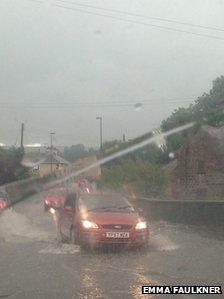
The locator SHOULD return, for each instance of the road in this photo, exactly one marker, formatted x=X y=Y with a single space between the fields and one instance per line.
x=34 y=265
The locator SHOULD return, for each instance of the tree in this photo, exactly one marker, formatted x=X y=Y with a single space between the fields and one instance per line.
x=74 y=152
x=207 y=109
x=11 y=168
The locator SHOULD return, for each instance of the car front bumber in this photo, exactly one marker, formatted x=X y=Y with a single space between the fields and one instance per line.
x=95 y=237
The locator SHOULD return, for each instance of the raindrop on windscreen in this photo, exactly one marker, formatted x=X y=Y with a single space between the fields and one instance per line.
x=171 y=155
x=138 y=106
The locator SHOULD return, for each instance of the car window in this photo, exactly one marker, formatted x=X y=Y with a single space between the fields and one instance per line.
x=101 y=202
x=57 y=193
x=71 y=200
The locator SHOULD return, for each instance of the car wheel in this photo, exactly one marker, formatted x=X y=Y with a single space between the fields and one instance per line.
x=144 y=247
x=60 y=236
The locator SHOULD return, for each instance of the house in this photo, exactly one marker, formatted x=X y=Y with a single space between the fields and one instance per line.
x=199 y=173
x=52 y=163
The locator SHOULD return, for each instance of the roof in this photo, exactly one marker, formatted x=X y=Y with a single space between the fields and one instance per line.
x=217 y=133
x=55 y=159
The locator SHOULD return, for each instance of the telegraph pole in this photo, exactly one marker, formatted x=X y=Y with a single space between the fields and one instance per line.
x=101 y=131
x=51 y=135
x=22 y=134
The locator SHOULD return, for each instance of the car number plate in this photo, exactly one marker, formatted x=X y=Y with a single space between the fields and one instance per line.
x=117 y=235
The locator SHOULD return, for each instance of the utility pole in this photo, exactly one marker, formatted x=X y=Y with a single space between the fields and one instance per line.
x=22 y=134
x=101 y=131
x=51 y=134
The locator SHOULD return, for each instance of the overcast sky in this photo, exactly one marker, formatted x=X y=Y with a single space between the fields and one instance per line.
x=58 y=65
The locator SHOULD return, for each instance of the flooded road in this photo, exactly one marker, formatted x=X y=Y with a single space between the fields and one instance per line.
x=33 y=264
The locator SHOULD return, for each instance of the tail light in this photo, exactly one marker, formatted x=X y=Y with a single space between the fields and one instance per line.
x=3 y=204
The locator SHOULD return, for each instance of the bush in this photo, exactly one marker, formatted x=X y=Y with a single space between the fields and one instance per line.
x=11 y=168
x=147 y=179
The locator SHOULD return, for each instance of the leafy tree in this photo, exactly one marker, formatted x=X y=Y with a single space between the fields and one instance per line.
x=74 y=152
x=207 y=109
x=11 y=168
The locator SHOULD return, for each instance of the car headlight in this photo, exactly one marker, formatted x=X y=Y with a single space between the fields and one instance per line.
x=89 y=224
x=52 y=211
x=141 y=225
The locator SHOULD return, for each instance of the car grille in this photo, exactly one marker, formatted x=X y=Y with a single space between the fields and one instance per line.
x=116 y=226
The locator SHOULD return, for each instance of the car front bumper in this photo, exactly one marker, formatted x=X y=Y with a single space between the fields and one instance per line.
x=98 y=238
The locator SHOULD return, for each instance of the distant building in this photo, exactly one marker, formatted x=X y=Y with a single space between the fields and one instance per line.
x=34 y=148
x=199 y=169
x=57 y=163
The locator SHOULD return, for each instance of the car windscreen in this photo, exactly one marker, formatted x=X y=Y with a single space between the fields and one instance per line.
x=55 y=193
x=105 y=203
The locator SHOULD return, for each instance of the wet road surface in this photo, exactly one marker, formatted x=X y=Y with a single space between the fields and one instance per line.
x=34 y=265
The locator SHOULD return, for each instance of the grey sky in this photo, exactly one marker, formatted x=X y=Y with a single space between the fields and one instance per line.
x=52 y=57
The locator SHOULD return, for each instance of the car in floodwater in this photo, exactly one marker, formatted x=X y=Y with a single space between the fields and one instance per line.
x=84 y=186
x=4 y=201
x=94 y=220
x=54 y=198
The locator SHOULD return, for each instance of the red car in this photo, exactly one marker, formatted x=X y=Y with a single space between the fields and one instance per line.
x=54 y=198
x=4 y=201
x=96 y=220
x=84 y=186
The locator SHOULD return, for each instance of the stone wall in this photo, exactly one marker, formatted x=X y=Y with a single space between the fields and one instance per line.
x=200 y=168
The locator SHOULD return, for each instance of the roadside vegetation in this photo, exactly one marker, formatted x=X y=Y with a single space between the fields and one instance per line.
x=11 y=168
x=136 y=176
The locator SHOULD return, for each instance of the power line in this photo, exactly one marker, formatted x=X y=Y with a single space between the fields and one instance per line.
x=97 y=102
x=86 y=106
x=142 y=16
x=141 y=23
x=103 y=103
x=137 y=22
x=93 y=102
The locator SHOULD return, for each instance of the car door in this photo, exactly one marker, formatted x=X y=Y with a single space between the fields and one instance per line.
x=67 y=214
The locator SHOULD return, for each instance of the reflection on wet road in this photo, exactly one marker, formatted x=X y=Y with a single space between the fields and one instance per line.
x=35 y=265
